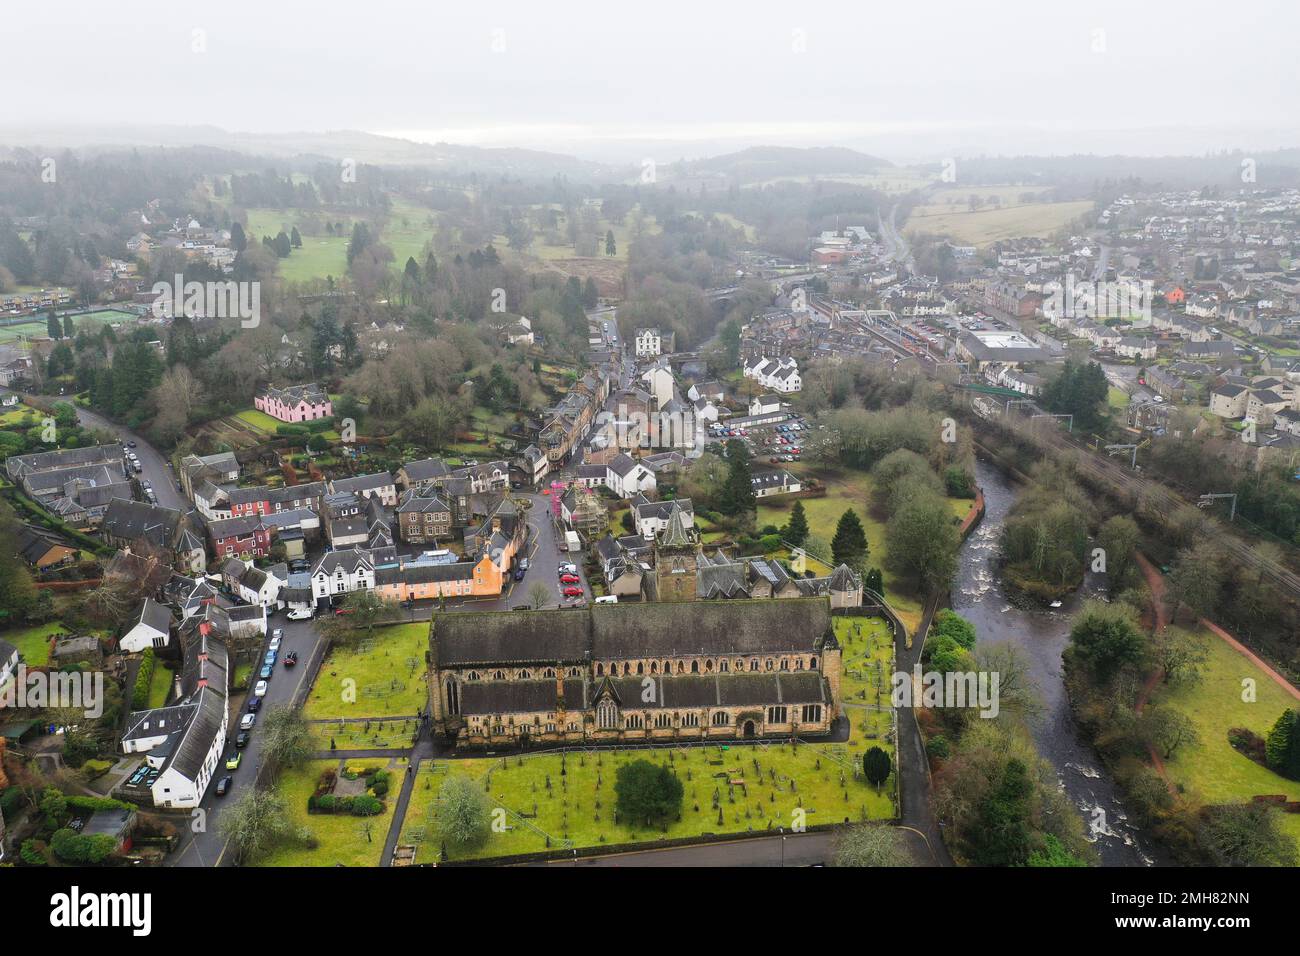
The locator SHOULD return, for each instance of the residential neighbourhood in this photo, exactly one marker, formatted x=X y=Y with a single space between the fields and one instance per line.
x=686 y=438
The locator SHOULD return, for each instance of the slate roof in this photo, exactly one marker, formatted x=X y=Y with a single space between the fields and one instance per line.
x=619 y=631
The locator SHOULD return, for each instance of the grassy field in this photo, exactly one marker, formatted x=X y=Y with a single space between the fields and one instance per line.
x=868 y=656
x=758 y=788
x=407 y=231
x=342 y=839
x=38 y=327
x=990 y=225
x=1212 y=771
x=851 y=489
x=33 y=642
x=381 y=677
x=320 y=256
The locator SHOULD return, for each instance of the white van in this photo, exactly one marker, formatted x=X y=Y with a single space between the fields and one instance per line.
x=299 y=614
x=607 y=599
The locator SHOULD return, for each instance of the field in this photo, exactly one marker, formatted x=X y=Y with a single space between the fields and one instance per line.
x=1212 y=771
x=384 y=676
x=407 y=231
x=571 y=798
x=986 y=226
x=342 y=839
x=160 y=685
x=320 y=256
x=851 y=489
x=38 y=328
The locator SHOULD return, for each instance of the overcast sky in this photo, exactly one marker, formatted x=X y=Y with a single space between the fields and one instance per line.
x=911 y=79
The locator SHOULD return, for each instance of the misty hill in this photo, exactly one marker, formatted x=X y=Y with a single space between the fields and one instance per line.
x=330 y=145
x=771 y=162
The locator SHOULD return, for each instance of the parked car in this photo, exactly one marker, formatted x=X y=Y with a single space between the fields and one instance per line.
x=260 y=689
x=246 y=722
x=266 y=671
x=340 y=611
x=291 y=659
x=254 y=704
x=519 y=574
x=223 y=785
x=242 y=740
x=234 y=760
x=274 y=645
x=573 y=592
x=300 y=614
x=270 y=657
x=570 y=579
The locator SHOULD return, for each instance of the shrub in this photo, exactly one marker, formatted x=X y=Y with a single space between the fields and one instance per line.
x=72 y=847
x=33 y=853
x=367 y=806
x=143 y=678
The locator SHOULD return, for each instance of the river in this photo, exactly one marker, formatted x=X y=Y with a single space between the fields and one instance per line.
x=1042 y=635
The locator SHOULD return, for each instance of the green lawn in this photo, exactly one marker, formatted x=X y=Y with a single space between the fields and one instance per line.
x=867 y=654
x=846 y=489
x=341 y=839
x=759 y=788
x=160 y=685
x=408 y=229
x=320 y=256
x=1212 y=771
x=33 y=642
x=382 y=677
x=259 y=420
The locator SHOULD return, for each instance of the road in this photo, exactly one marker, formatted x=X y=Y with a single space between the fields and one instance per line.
x=152 y=462
x=207 y=847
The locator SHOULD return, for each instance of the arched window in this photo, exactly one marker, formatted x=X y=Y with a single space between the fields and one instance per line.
x=627 y=670
x=785 y=664
x=708 y=667
x=724 y=666
x=721 y=718
x=473 y=675
x=654 y=667
x=525 y=675
x=640 y=668
x=607 y=715
x=695 y=667
x=812 y=663
x=768 y=664
x=499 y=675
x=691 y=719
x=633 y=722
x=549 y=672
x=600 y=670
x=453 y=697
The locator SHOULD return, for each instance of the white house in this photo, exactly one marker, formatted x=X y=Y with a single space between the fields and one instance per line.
x=765 y=404
x=342 y=572
x=778 y=375
x=659 y=383
x=780 y=482
x=651 y=343
x=625 y=476
x=652 y=516
x=150 y=627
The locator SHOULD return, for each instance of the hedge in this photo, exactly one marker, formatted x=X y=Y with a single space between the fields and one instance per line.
x=143 y=678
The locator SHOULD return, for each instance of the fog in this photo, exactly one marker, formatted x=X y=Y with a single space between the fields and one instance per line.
x=611 y=80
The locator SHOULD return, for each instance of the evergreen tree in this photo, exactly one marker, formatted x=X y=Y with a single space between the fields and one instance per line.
x=295 y=238
x=238 y=238
x=737 y=496
x=1001 y=837
x=1282 y=746
x=849 y=546
x=796 y=531
x=282 y=245
x=52 y=326
x=610 y=248
x=69 y=327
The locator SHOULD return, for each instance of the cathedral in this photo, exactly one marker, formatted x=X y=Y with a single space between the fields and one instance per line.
x=655 y=672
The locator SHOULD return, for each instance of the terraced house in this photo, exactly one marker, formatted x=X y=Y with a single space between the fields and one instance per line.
x=636 y=673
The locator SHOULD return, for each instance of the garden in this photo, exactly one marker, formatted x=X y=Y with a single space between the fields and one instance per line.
x=558 y=801
x=383 y=675
x=348 y=829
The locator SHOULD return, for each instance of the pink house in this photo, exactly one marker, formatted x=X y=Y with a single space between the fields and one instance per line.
x=297 y=403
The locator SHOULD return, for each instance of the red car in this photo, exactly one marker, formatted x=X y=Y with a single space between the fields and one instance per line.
x=573 y=592
x=340 y=611
x=570 y=579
